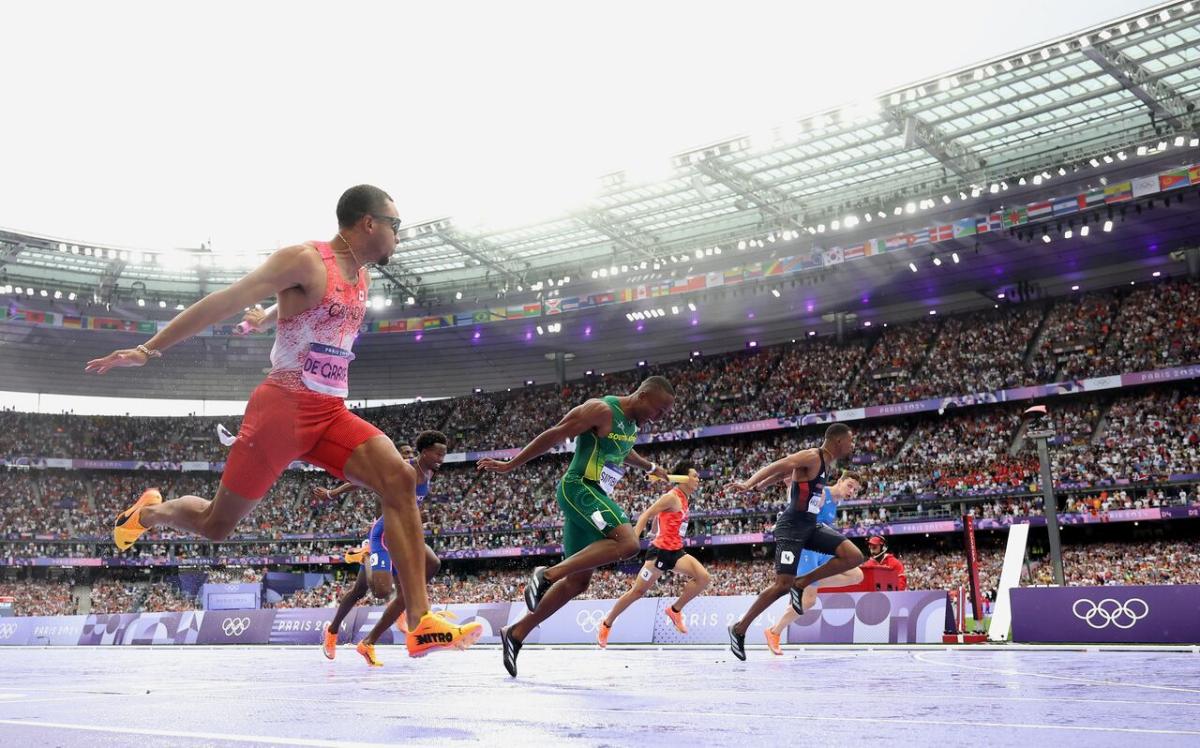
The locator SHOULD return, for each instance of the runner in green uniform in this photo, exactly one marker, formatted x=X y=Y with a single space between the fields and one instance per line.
x=595 y=530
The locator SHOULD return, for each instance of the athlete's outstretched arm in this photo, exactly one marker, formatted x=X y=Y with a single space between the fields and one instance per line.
x=594 y=414
x=804 y=461
x=668 y=502
x=282 y=270
x=635 y=459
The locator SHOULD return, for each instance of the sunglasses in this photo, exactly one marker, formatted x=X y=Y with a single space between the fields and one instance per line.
x=389 y=219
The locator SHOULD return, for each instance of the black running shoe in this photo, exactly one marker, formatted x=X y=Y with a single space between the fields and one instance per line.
x=737 y=644
x=512 y=648
x=536 y=588
x=798 y=600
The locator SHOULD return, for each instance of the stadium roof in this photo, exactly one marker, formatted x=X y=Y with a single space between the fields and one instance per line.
x=1113 y=88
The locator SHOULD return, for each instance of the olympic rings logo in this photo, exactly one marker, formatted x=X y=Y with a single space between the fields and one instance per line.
x=7 y=630
x=1111 y=612
x=589 y=620
x=235 y=626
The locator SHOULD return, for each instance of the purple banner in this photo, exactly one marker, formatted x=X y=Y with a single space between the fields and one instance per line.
x=301 y=625
x=238 y=596
x=578 y=621
x=708 y=619
x=872 y=618
x=236 y=627
x=54 y=630
x=1164 y=614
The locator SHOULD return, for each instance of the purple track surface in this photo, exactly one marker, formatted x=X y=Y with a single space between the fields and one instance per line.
x=186 y=696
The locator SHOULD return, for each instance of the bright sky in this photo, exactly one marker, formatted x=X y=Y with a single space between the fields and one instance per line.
x=160 y=125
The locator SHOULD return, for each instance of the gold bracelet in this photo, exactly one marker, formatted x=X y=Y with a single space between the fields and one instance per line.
x=149 y=352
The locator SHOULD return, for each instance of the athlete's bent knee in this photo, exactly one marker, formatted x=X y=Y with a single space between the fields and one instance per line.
x=628 y=548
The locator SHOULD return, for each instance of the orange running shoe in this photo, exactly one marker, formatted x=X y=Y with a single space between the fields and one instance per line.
x=329 y=647
x=127 y=529
x=368 y=653
x=677 y=619
x=773 y=642
x=602 y=635
x=436 y=632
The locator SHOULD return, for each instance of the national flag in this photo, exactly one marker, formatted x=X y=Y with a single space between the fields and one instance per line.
x=1194 y=174
x=482 y=316
x=944 y=232
x=599 y=299
x=660 y=289
x=496 y=313
x=697 y=282
x=514 y=312
x=1118 y=193
x=31 y=316
x=570 y=303
x=753 y=271
x=878 y=246
x=918 y=237
x=713 y=280
x=627 y=294
x=464 y=319
x=72 y=322
x=856 y=252
x=1014 y=216
x=1066 y=205
x=965 y=227
x=1091 y=199
x=414 y=324
x=641 y=292
x=1041 y=209
x=733 y=277
x=431 y=323
x=1145 y=186
x=896 y=242
x=553 y=306
x=1173 y=180
x=532 y=310
x=393 y=325
x=775 y=267
x=833 y=256
x=989 y=223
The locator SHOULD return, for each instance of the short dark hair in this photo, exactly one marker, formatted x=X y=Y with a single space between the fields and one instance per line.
x=427 y=439
x=836 y=430
x=682 y=467
x=851 y=475
x=657 y=383
x=358 y=201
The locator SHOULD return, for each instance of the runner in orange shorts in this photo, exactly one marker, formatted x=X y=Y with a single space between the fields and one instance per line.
x=298 y=412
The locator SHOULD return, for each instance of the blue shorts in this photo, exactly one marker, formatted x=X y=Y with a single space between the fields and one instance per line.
x=380 y=559
x=810 y=560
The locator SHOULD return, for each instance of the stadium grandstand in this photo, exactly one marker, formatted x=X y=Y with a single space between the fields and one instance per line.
x=924 y=266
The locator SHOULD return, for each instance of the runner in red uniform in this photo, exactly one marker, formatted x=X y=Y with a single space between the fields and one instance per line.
x=670 y=515
x=298 y=412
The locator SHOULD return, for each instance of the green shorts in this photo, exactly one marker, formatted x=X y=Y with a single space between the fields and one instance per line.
x=588 y=514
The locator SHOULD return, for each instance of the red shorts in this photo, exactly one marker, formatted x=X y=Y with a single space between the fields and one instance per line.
x=282 y=425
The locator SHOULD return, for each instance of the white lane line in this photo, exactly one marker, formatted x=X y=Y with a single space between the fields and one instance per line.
x=1071 y=679
x=231 y=737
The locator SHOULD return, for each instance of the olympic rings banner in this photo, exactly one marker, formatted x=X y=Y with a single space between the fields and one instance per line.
x=838 y=618
x=1160 y=614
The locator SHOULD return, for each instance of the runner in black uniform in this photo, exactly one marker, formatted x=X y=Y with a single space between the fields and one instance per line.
x=797 y=527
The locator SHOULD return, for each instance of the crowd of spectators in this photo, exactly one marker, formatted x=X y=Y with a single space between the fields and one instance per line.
x=40 y=598
x=1091 y=334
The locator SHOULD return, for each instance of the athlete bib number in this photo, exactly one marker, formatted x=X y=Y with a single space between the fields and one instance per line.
x=327 y=370
x=610 y=476
x=816 y=501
